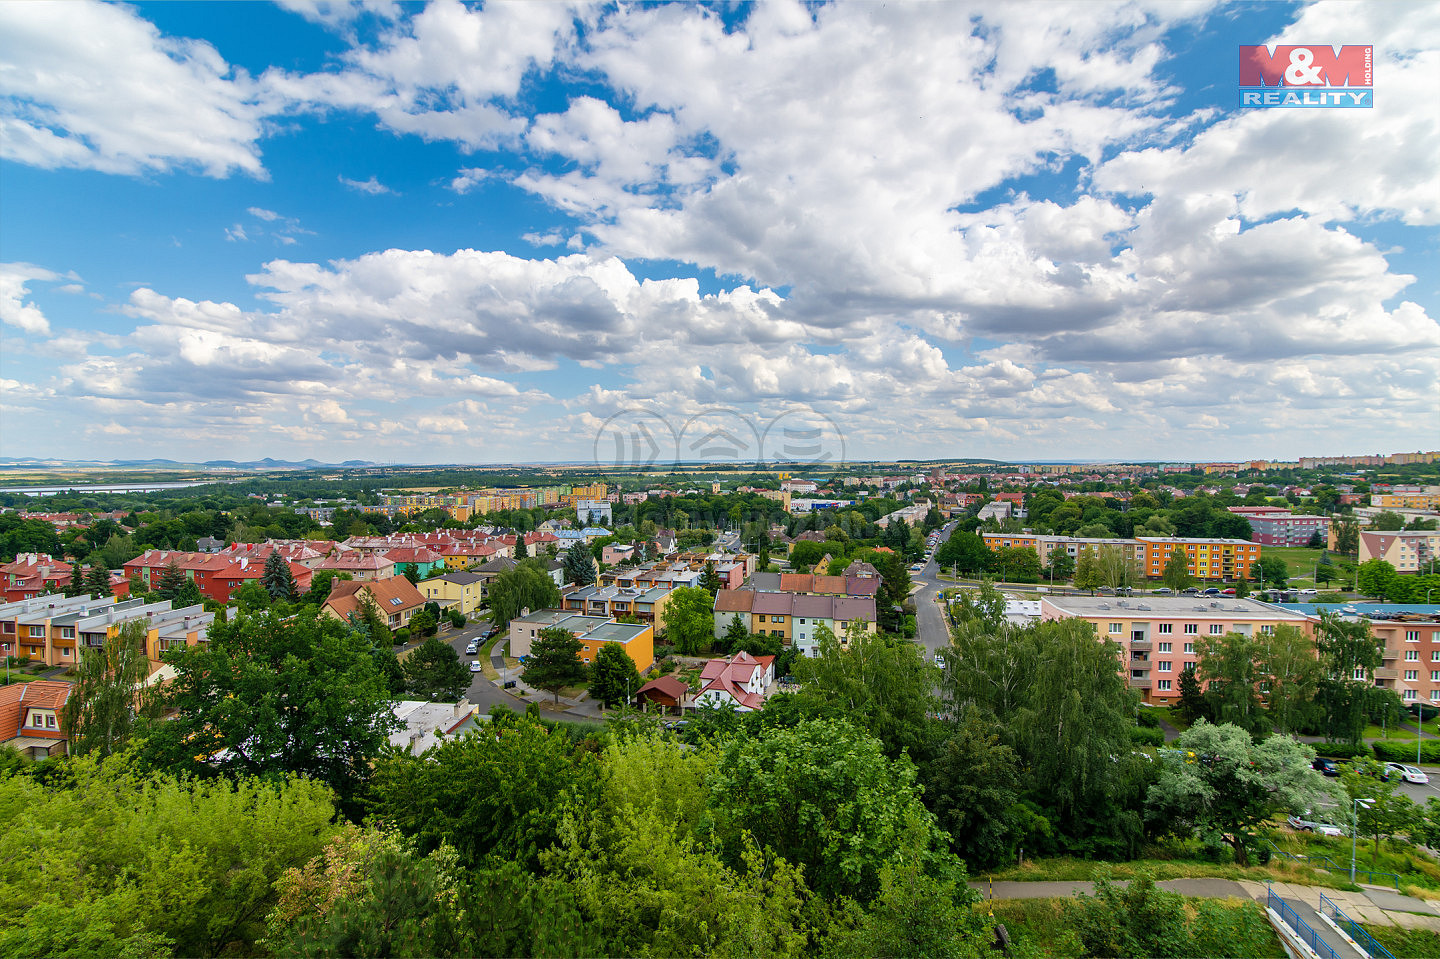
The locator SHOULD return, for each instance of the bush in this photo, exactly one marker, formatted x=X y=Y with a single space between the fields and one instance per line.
x=1341 y=750
x=1147 y=737
x=1403 y=752
x=402 y=636
x=1148 y=720
x=457 y=619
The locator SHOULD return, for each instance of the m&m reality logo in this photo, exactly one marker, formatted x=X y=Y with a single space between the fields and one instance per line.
x=1311 y=75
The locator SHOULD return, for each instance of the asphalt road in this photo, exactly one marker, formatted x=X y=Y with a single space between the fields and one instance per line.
x=931 y=630
x=482 y=692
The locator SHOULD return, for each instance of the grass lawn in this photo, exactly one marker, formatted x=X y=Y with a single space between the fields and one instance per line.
x=1406 y=943
x=1415 y=869
x=1169 y=714
x=1047 y=927
x=1301 y=561
x=1065 y=869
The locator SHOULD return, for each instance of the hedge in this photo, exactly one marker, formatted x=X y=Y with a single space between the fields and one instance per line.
x=1142 y=736
x=1402 y=752
x=1341 y=750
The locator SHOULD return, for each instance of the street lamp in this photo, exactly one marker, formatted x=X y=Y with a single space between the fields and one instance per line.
x=1355 y=831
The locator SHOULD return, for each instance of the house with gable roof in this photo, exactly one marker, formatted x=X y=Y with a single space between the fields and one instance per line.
x=32 y=718
x=740 y=681
x=396 y=598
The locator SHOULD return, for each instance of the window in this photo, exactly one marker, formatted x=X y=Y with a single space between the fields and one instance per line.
x=1116 y=627
x=802 y=622
x=1265 y=630
x=1359 y=673
x=49 y=722
x=1412 y=635
x=1435 y=675
x=1216 y=629
x=37 y=632
x=1164 y=647
x=1164 y=665
x=1409 y=695
x=1435 y=656
x=760 y=618
x=1163 y=629
x=1164 y=685
x=67 y=632
x=1435 y=695
x=396 y=601
x=1191 y=629
x=777 y=619
x=1412 y=674
x=1412 y=655
x=36 y=720
x=1189 y=649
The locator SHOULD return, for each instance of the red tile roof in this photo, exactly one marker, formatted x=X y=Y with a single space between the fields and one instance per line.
x=16 y=701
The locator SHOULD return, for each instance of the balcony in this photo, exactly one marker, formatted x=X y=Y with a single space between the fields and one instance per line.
x=1387 y=672
x=1139 y=681
x=1141 y=645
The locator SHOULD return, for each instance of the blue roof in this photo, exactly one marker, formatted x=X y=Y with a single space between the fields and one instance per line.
x=1310 y=609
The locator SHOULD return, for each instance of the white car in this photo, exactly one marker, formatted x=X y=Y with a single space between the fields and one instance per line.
x=475 y=666
x=939 y=660
x=1408 y=773
x=1307 y=592
x=1321 y=828
x=472 y=650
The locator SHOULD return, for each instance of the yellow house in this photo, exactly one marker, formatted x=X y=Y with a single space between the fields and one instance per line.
x=638 y=642
x=459 y=591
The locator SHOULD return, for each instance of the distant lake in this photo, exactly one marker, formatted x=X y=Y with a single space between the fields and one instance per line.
x=103 y=488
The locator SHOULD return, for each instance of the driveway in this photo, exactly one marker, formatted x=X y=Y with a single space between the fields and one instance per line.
x=931 y=629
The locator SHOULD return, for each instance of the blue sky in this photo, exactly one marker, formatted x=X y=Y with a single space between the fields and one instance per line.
x=497 y=233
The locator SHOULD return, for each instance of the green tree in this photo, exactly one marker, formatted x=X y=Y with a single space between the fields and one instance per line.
x=1227 y=784
x=735 y=635
x=118 y=864
x=1382 y=811
x=503 y=794
x=1349 y=654
x=526 y=586
x=1270 y=569
x=1192 y=704
x=1387 y=521
x=1324 y=573
x=189 y=595
x=822 y=795
x=880 y=683
x=170 y=581
x=1229 y=667
x=1375 y=577
x=1347 y=536
x=433 y=672
x=1062 y=564
x=274 y=695
x=100 y=714
x=1116 y=567
x=689 y=620
x=710 y=580
x=579 y=565
x=613 y=676
x=966 y=552
x=1139 y=919
x=914 y=914
x=411 y=572
x=1176 y=574
x=97 y=581
x=554 y=661
x=1088 y=574
x=423 y=623
x=277 y=579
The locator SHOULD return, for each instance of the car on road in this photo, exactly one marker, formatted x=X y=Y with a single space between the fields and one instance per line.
x=1307 y=592
x=939 y=660
x=1323 y=764
x=475 y=666
x=917 y=567
x=473 y=649
x=1410 y=774
x=1308 y=825
x=1163 y=591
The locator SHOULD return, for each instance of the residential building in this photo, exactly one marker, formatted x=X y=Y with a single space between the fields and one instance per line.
x=1274 y=526
x=217 y=575
x=32 y=718
x=1410 y=634
x=1409 y=551
x=741 y=681
x=362 y=566
x=424 y=559
x=396 y=598
x=33 y=574
x=1207 y=559
x=594 y=632
x=795 y=618
x=665 y=693
x=426 y=724
x=620 y=602
x=463 y=592
x=1157 y=636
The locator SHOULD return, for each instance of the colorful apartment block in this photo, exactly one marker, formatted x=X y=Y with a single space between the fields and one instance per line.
x=1207 y=559
x=1274 y=526
x=1157 y=635
x=1409 y=551
x=795 y=618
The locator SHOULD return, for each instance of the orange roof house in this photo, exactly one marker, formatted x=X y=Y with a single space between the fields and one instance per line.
x=32 y=718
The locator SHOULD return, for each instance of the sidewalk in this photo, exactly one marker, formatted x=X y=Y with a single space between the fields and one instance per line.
x=1372 y=904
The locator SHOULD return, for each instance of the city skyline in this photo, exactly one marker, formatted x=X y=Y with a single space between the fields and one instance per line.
x=480 y=235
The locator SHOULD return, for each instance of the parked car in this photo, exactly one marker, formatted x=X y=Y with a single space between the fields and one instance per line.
x=1227 y=592
x=1410 y=774
x=475 y=666
x=1307 y=592
x=1163 y=591
x=472 y=649
x=939 y=660
x=1330 y=767
x=1307 y=825
x=1190 y=591
x=1212 y=591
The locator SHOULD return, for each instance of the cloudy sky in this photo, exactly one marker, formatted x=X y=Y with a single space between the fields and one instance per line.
x=481 y=234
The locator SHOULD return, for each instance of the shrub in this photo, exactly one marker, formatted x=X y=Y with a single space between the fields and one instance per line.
x=1148 y=719
x=1147 y=737
x=1403 y=752
x=457 y=619
x=1341 y=750
x=402 y=636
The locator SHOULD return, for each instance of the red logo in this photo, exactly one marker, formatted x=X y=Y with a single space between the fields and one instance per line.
x=1314 y=65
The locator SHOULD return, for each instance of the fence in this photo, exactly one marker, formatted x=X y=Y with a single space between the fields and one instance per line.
x=1302 y=928
x=1325 y=862
x=1353 y=929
